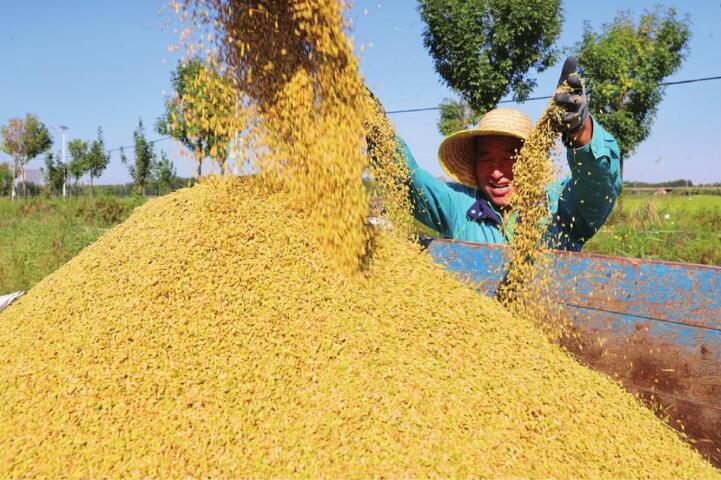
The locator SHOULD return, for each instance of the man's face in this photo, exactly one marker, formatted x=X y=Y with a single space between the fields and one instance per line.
x=495 y=156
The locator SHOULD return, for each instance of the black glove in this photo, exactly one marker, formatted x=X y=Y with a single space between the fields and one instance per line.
x=573 y=103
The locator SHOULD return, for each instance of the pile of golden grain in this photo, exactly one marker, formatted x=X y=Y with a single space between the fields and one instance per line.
x=209 y=335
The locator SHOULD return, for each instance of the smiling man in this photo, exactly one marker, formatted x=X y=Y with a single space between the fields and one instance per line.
x=481 y=160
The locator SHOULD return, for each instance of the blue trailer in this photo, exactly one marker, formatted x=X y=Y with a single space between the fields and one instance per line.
x=653 y=325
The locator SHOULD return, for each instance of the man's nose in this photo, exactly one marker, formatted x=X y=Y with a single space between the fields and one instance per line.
x=497 y=174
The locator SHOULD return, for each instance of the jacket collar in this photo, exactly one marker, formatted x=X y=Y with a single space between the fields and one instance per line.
x=482 y=210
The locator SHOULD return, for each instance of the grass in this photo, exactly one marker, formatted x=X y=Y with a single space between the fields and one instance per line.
x=676 y=203
x=39 y=235
x=678 y=228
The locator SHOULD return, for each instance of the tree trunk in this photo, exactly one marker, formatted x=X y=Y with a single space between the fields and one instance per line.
x=92 y=187
x=22 y=180
x=200 y=166
x=13 y=191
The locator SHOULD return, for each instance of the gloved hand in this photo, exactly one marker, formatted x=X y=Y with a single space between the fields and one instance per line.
x=573 y=103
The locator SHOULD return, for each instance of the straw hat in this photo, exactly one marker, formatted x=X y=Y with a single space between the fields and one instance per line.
x=456 y=151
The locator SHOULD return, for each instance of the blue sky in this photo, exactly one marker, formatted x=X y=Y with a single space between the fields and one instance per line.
x=86 y=64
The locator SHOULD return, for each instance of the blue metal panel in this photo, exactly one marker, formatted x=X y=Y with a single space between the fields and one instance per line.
x=670 y=291
x=653 y=325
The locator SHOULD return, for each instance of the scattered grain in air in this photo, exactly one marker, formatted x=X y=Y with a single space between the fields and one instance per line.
x=256 y=326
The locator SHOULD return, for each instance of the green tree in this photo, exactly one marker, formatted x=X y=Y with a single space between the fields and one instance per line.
x=202 y=114
x=24 y=139
x=98 y=159
x=624 y=65
x=165 y=174
x=124 y=160
x=6 y=179
x=455 y=115
x=141 y=170
x=484 y=49
x=78 y=165
x=55 y=173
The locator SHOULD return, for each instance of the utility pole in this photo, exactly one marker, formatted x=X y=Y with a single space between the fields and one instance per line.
x=65 y=168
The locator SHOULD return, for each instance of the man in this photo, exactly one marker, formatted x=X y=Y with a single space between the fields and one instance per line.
x=481 y=161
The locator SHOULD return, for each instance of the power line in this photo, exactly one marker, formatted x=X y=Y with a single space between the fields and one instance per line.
x=161 y=139
x=427 y=109
x=546 y=97
x=690 y=81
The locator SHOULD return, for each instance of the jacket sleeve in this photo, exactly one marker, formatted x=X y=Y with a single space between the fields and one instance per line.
x=433 y=200
x=588 y=196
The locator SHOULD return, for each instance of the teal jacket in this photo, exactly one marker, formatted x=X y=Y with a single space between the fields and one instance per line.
x=579 y=203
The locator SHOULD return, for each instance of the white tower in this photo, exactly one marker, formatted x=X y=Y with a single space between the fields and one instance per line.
x=65 y=169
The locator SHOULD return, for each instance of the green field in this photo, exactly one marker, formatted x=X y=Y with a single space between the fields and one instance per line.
x=679 y=228
x=689 y=203
x=39 y=235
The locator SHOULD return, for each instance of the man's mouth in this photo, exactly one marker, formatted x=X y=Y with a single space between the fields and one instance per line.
x=500 y=189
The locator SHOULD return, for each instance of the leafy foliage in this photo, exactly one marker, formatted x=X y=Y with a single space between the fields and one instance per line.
x=624 y=65
x=165 y=174
x=669 y=183
x=455 y=115
x=201 y=114
x=55 y=173
x=6 y=179
x=78 y=165
x=24 y=139
x=141 y=170
x=98 y=159
x=483 y=49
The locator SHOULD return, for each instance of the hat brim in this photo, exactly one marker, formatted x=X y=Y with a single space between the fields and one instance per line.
x=455 y=153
